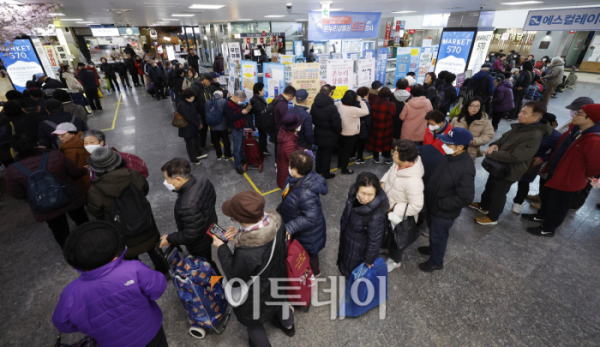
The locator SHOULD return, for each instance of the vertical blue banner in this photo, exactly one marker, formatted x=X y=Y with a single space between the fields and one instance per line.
x=381 y=65
x=403 y=58
x=455 y=47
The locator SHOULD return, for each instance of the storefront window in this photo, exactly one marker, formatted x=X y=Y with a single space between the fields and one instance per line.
x=250 y=28
x=289 y=28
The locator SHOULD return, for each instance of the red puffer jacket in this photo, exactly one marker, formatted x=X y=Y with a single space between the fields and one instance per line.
x=288 y=142
x=61 y=167
x=429 y=140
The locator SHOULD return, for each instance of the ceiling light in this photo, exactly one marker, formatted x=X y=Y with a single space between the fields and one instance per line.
x=71 y=19
x=182 y=15
x=275 y=16
x=522 y=3
x=84 y=22
x=160 y=4
x=170 y=20
x=404 y=11
x=206 y=7
x=330 y=10
x=55 y=14
x=242 y=20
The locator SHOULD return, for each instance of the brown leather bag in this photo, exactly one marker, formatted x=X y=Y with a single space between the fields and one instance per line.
x=178 y=120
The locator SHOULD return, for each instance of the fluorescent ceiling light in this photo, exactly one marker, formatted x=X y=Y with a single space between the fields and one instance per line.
x=206 y=7
x=84 y=22
x=182 y=15
x=331 y=9
x=242 y=20
x=55 y=14
x=71 y=20
x=275 y=16
x=170 y=20
x=522 y=3
x=404 y=11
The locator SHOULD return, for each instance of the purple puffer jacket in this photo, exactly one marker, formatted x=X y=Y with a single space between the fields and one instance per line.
x=503 y=97
x=114 y=304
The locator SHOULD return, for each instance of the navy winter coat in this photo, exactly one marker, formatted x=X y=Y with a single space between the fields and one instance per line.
x=87 y=79
x=305 y=135
x=302 y=212
x=188 y=111
x=486 y=87
x=358 y=246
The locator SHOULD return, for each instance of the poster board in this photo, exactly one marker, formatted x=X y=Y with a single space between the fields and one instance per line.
x=365 y=72
x=273 y=78
x=51 y=55
x=403 y=56
x=480 y=49
x=322 y=59
x=286 y=59
x=249 y=75
x=235 y=56
x=434 y=59
x=455 y=49
x=37 y=44
x=424 y=64
x=21 y=63
x=382 y=59
x=306 y=76
x=340 y=74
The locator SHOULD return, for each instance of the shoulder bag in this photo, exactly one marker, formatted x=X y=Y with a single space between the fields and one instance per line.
x=497 y=169
x=178 y=120
x=404 y=233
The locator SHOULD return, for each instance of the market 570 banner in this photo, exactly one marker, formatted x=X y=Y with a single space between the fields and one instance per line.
x=342 y=25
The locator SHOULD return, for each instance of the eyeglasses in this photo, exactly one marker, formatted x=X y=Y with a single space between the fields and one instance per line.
x=474 y=106
x=580 y=113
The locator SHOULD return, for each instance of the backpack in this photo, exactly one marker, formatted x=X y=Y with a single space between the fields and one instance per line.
x=131 y=211
x=479 y=88
x=442 y=101
x=214 y=114
x=268 y=117
x=46 y=193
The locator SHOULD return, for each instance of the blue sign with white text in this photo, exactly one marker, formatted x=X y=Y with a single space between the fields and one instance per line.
x=568 y=19
x=381 y=64
x=21 y=63
x=455 y=47
x=342 y=25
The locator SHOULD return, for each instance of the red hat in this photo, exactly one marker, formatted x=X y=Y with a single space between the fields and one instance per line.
x=592 y=111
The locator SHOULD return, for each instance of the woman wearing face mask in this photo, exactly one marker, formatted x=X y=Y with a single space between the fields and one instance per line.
x=403 y=185
x=72 y=147
x=287 y=142
x=113 y=179
x=301 y=208
x=94 y=139
x=350 y=115
x=362 y=225
x=68 y=73
x=436 y=125
x=473 y=118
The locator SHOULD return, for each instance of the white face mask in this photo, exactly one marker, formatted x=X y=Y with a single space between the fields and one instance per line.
x=290 y=170
x=169 y=186
x=572 y=113
x=448 y=150
x=91 y=148
x=434 y=127
x=298 y=128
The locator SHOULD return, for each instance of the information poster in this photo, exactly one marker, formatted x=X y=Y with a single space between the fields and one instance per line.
x=306 y=76
x=21 y=63
x=342 y=25
x=353 y=56
x=322 y=59
x=249 y=75
x=273 y=78
x=480 y=49
x=382 y=59
x=368 y=54
x=286 y=59
x=434 y=59
x=42 y=57
x=231 y=80
x=424 y=64
x=403 y=57
x=414 y=59
x=455 y=47
x=235 y=55
x=340 y=74
x=365 y=72
x=336 y=55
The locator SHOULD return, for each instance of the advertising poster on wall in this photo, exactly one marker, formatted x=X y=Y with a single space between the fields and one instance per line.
x=381 y=65
x=20 y=62
x=336 y=56
x=480 y=49
x=51 y=54
x=434 y=59
x=306 y=76
x=273 y=78
x=37 y=44
x=366 y=72
x=322 y=59
x=403 y=57
x=414 y=59
x=368 y=54
x=249 y=75
x=455 y=47
x=340 y=73
x=342 y=25
x=424 y=64
x=235 y=55
x=286 y=59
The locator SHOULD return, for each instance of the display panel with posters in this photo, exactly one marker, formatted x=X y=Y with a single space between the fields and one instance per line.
x=340 y=73
x=480 y=49
x=424 y=64
x=21 y=63
x=365 y=72
x=51 y=55
x=455 y=49
x=382 y=58
x=37 y=44
x=235 y=55
x=322 y=59
x=249 y=76
x=403 y=56
x=274 y=80
x=306 y=76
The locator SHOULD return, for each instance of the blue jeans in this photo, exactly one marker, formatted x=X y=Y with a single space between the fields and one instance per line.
x=78 y=99
x=438 y=237
x=172 y=94
x=238 y=151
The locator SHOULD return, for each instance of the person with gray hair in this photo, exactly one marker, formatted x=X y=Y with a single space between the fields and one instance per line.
x=235 y=116
x=94 y=139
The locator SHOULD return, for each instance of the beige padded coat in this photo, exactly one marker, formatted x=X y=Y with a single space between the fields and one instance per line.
x=482 y=131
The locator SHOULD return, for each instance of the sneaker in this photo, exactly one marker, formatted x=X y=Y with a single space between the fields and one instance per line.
x=533 y=217
x=376 y=161
x=202 y=155
x=266 y=154
x=534 y=198
x=277 y=324
x=389 y=161
x=485 y=220
x=228 y=157
x=347 y=172
x=539 y=231
x=475 y=206
x=196 y=162
x=239 y=170
x=516 y=208
x=424 y=250
x=219 y=158
x=536 y=205
x=319 y=274
x=391 y=265
x=330 y=176
x=430 y=266
x=360 y=161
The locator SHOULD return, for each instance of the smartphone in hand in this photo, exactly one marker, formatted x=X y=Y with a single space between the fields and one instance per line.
x=218 y=231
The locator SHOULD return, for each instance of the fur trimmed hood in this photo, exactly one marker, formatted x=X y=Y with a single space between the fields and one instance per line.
x=262 y=236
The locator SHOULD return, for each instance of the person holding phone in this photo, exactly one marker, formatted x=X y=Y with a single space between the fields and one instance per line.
x=194 y=209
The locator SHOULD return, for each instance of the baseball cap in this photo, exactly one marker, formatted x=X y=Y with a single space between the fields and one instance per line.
x=579 y=102
x=301 y=95
x=64 y=128
x=376 y=85
x=214 y=75
x=245 y=207
x=457 y=136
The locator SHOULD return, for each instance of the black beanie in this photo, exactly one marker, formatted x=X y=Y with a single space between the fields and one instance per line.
x=92 y=245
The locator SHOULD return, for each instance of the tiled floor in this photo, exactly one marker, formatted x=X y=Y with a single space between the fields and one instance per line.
x=500 y=286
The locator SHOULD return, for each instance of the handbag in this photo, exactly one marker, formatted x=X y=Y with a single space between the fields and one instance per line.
x=236 y=296
x=497 y=169
x=403 y=234
x=178 y=120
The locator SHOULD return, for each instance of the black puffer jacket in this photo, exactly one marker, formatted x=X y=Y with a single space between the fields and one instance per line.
x=451 y=186
x=194 y=214
x=109 y=70
x=258 y=106
x=327 y=121
x=358 y=246
x=525 y=77
x=252 y=250
x=188 y=111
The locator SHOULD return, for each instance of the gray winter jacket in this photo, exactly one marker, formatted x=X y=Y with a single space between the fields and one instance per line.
x=556 y=72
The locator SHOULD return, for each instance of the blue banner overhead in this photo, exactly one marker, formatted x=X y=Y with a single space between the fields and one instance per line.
x=342 y=25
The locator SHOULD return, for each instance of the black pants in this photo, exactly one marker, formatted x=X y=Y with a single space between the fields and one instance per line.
x=113 y=82
x=323 y=160
x=519 y=95
x=385 y=154
x=124 y=79
x=160 y=340
x=493 y=198
x=523 y=191
x=250 y=121
x=439 y=232
x=159 y=90
x=557 y=204
x=192 y=145
x=314 y=263
x=258 y=335
x=359 y=148
x=135 y=78
x=60 y=224
x=543 y=194
x=496 y=117
x=203 y=131
x=141 y=77
x=93 y=98
x=262 y=140
x=216 y=136
x=346 y=147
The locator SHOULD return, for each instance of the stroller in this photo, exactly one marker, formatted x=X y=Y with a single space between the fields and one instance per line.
x=252 y=153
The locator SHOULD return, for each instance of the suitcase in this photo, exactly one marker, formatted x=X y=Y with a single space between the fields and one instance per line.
x=300 y=275
x=206 y=307
x=252 y=153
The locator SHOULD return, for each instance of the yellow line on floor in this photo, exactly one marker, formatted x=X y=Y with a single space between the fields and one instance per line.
x=116 y=113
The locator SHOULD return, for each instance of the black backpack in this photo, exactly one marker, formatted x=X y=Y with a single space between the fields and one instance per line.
x=479 y=88
x=132 y=212
x=268 y=117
